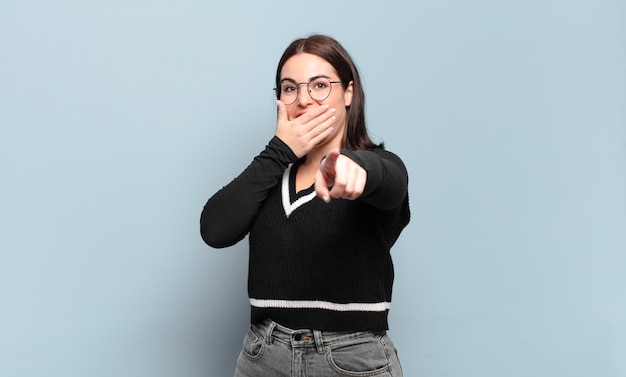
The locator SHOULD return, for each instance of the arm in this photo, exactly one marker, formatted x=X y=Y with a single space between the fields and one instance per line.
x=227 y=216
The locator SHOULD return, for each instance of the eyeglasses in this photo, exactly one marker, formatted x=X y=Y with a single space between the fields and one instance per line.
x=318 y=88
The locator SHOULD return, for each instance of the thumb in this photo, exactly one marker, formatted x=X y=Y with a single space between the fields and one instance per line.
x=330 y=162
x=282 y=111
x=325 y=176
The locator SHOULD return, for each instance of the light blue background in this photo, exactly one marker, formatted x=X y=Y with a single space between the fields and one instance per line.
x=120 y=118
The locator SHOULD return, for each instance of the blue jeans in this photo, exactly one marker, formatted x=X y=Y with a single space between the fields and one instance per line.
x=272 y=350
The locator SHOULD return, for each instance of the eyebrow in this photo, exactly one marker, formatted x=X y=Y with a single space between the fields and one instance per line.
x=312 y=78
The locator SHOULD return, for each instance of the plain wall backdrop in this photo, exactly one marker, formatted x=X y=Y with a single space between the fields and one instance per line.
x=120 y=118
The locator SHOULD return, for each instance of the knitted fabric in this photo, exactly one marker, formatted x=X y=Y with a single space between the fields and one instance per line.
x=314 y=265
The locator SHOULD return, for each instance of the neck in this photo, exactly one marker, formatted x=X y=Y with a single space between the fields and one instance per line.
x=316 y=155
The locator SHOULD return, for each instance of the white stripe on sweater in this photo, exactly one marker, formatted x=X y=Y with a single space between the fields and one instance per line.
x=287 y=205
x=311 y=304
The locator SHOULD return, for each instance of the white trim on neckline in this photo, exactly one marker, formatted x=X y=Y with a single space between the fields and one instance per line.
x=287 y=205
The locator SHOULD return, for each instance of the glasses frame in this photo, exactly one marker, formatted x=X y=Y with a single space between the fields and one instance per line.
x=297 y=84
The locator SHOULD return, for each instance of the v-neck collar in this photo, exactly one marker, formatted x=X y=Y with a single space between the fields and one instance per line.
x=292 y=199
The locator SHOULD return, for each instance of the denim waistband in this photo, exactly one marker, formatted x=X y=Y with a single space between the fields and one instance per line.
x=306 y=337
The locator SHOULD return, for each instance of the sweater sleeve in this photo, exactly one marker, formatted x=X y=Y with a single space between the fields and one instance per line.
x=227 y=216
x=387 y=177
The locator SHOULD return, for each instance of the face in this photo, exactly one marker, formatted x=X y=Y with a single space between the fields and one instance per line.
x=303 y=67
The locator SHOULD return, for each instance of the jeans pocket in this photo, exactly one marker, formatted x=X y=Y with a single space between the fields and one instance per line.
x=360 y=356
x=252 y=345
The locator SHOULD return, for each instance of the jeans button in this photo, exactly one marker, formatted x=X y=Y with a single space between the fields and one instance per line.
x=297 y=337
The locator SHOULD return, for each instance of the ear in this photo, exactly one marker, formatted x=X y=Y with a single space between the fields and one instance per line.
x=347 y=95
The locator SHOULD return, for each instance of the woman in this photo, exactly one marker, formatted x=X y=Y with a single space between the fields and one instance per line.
x=322 y=205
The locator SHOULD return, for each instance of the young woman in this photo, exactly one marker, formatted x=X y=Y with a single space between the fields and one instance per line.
x=322 y=205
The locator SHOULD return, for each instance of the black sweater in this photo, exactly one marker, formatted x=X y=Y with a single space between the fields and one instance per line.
x=313 y=265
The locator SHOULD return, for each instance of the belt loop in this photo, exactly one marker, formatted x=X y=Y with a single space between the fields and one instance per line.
x=319 y=342
x=270 y=330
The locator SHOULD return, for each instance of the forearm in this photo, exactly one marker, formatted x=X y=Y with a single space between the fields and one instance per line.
x=387 y=177
x=227 y=215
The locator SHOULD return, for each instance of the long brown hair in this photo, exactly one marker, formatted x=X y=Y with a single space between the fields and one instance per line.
x=330 y=50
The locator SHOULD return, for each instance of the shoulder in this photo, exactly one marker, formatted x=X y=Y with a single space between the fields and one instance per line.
x=379 y=154
x=381 y=151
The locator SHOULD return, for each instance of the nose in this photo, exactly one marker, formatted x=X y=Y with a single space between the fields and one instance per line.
x=304 y=97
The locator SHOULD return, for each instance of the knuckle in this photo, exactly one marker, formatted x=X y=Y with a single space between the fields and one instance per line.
x=340 y=182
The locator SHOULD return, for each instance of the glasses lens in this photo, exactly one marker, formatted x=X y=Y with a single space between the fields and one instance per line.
x=288 y=92
x=319 y=88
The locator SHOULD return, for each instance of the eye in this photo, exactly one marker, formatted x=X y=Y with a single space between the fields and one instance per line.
x=319 y=84
x=288 y=88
